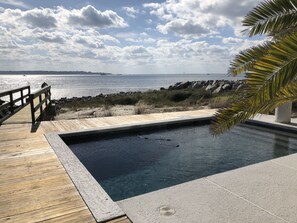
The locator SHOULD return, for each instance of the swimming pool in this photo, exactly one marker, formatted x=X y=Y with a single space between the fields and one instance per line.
x=130 y=163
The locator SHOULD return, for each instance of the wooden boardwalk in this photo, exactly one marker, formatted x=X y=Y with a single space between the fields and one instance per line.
x=34 y=187
x=23 y=116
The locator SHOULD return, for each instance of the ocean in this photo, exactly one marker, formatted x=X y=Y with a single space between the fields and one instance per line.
x=92 y=85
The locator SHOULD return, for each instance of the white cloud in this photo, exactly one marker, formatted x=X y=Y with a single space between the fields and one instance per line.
x=232 y=40
x=196 y=17
x=16 y=3
x=91 y=17
x=131 y=11
x=49 y=34
x=152 y=5
x=60 y=38
x=141 y=40
x=183 y=27
x=62 y=18
x=41 y=18
x=51 y=37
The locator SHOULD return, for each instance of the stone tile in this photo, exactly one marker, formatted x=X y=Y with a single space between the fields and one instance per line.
x=193 y=202
x=268 y=185
x=288 y=161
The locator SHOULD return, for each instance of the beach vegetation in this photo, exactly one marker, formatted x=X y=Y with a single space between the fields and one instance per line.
x=154 y=98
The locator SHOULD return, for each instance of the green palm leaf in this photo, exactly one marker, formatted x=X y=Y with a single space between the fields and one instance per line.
x=270 y=17
x=246 y=108
x=246 y=59
x=273 y=71
x=270 y=68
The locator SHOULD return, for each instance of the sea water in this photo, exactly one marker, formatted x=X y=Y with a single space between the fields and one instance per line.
x=92 y=85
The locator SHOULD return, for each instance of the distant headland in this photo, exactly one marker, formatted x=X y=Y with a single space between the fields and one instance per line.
x=32 y=72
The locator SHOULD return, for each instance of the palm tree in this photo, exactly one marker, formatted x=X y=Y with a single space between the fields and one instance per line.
x=270 y=68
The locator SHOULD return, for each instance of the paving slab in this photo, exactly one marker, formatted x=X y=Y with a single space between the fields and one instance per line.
x=287 y=161
x=192 y=202
x=268 y=185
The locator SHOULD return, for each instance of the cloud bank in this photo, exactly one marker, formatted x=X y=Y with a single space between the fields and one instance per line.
x=175 y=36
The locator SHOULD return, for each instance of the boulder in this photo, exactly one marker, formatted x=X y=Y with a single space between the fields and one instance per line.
x=218 y=89
x=226 y=87
x=211 y=87
x=239 y=87
x=196 y=85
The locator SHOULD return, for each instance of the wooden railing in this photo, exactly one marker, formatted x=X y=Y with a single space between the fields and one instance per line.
x=44 y=97
x=9 y=108
x=13 y=103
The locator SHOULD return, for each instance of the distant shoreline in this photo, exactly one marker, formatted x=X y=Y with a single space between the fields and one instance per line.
x=36 y=72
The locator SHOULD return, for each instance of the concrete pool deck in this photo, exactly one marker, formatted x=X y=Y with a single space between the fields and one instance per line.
x=263 y=192
x=35 y=187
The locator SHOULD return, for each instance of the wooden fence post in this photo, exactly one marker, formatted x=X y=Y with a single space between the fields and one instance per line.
x=31 y=98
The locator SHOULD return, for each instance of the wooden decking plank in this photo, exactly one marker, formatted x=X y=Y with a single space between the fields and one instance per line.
x=28 y=184
x=58 y=126
x=66 y=125
x=36 y=199
x=28 y=161
x=17 y=135
x=25 y=153
x=13 y=126
x=120 y=220
x=90 y=122
x=77 y=217
x=22 y=174
x=29 y=140
x=99 y=123
x=47 y=213
x=23 y=147
x=78 y=124
x=48 y=126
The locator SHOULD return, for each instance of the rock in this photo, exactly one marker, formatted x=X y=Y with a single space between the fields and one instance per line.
x=239 y=87
x=226 y=87
x=183 y=85
x=219 y=89
x=196 y=85
x=210 y=87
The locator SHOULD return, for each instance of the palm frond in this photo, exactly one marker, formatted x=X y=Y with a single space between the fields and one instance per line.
x=247 y=58
x=274 y=71
x=246 y=108
x=270 y=17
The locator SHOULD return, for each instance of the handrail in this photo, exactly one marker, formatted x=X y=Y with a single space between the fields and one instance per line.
x=5 y=93
x=9 y=108
x=44 y=96
x=41 y=91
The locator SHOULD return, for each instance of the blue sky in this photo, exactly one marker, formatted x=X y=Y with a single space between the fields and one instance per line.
x=123 y=36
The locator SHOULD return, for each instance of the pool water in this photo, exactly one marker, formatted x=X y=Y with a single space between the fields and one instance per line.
x=133 y=164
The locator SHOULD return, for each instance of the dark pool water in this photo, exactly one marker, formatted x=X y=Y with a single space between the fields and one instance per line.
x=142 y=162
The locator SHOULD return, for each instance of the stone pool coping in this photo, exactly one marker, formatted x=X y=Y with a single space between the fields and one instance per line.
x=189 y=202
x=102 y=207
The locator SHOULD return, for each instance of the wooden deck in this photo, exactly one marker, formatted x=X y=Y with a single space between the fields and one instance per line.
x=23 y=116
x=34 y=187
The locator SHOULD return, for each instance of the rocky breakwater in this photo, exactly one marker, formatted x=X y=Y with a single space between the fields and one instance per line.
x=213 y=86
